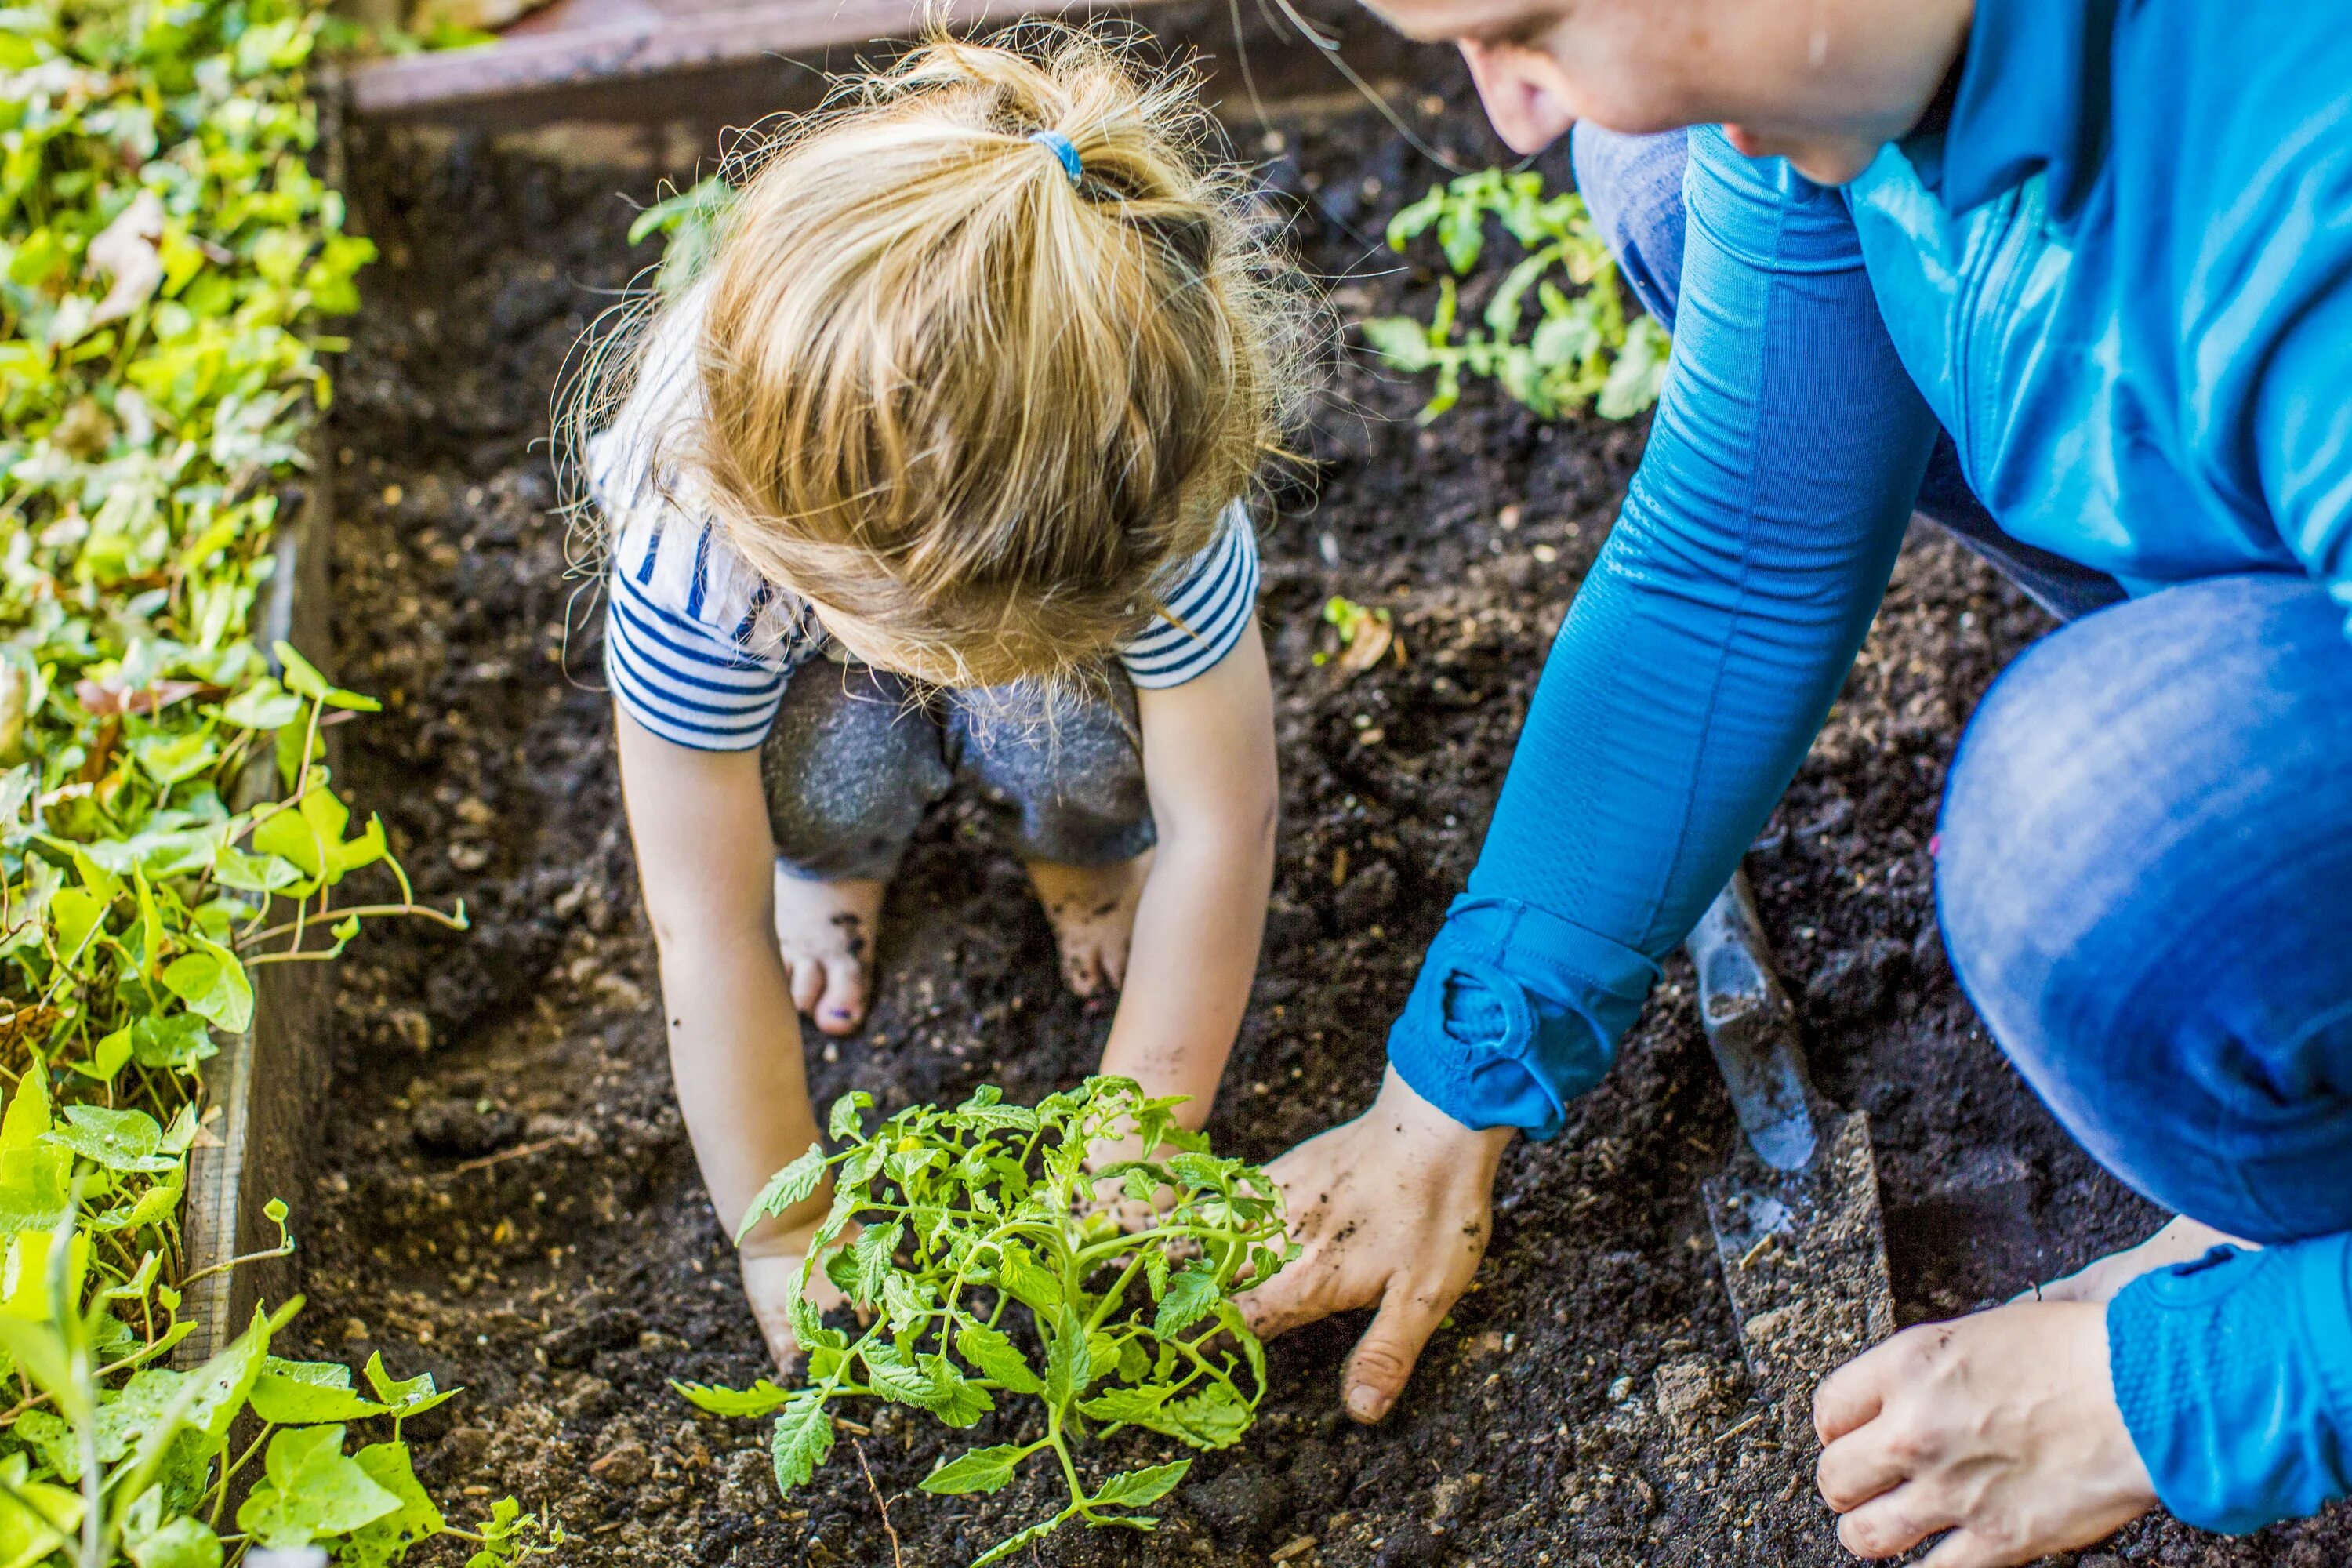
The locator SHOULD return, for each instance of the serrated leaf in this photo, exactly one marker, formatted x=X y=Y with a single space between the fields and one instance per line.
x=978 y=1470
x=843 y=1124
x=1016 y=1541
x=1028 y=1281
x=1192 y=1294
x=803 y=1438
x=954 y=1398
x=786 y=1189
x=1137 y=1489
x=1068 y=1366
x=757 y=1400
x=997 y=1359
x=905 y=1302
x=893 y=1376
x=872 y=1254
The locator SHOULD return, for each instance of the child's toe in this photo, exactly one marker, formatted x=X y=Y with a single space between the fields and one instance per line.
x=808 y=982
x=842 y=1005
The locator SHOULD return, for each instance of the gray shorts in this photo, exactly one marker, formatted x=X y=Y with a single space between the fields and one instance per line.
x=856 y=756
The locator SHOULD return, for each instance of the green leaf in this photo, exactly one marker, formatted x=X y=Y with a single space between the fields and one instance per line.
x=954 y=1399
x=385 y=1540
x=785 y=1190
x=1015 y=1543
x=304 y=677
x=1400 y=340
x=1068 y=1367
x=181 y=1541
x=264 y=705
x=757 y=1400
x=978 y=1470
x=305 y=1392
x=1137 y=1488
x=997 y=1359
x=905 y=1302
x=872 y=1254
x=803 y=1437
x=214 y=984
x=896 y=1377
x=1192 y=1294
x=846 y=1111
x=405 y=1397
x=1213 y=1418
x=177 y=1042
x=312 y=1489
x=1028 y=1281
x=114 y=1140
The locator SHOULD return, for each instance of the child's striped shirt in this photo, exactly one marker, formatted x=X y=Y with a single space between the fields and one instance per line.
x=698 y=648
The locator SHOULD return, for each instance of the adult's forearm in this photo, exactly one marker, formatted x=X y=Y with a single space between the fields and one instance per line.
x=1698 y=657
x=735 y=1052
x=1195 y=952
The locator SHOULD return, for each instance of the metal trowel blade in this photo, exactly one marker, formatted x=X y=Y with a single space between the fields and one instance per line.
x=1804 y=1258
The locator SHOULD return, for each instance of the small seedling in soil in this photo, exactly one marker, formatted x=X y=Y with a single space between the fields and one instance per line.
x=1366 y=634
x=960 y=1216
x=1584 y=348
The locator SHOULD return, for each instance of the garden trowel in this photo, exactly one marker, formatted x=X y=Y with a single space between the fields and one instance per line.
x=1795 y=1211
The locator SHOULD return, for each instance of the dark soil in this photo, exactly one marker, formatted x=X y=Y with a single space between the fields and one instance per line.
x=505 y=1193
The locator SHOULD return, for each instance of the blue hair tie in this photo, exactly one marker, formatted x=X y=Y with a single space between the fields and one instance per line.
x=1062 y=148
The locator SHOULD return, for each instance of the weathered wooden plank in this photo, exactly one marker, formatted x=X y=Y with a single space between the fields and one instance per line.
x=555 y=55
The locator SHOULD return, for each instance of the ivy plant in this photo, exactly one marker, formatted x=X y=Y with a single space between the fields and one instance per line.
x=1582 y=348
x=996 y=1273
x=169 y=253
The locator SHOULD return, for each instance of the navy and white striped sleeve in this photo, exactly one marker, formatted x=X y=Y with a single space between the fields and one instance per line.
x=1205 y=616
x=681 y=635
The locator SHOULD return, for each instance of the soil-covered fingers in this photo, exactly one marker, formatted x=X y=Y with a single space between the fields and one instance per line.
x=1384 y=1359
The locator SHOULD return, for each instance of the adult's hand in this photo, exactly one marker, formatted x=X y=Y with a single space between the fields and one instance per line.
x=2000 y=1428
x=1391 y=1209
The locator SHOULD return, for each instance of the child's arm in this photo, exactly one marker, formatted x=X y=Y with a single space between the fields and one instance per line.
x=1209 y=765
x=704 y=855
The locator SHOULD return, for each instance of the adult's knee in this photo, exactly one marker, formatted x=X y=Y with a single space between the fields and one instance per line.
x=1632 y=186
x=2140 y=876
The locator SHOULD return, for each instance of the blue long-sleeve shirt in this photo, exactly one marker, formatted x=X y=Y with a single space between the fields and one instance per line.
x=2121 y=278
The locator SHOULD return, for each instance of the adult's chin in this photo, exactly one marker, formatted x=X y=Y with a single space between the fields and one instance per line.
x=1824 y=159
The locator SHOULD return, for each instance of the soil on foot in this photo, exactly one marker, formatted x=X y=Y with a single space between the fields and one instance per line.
x=1587 y=1407
x=825 y=932
x=1092 y=911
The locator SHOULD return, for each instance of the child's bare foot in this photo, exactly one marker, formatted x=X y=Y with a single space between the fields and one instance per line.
x=1092 y=908
x=2181 y=1241
x=770 y=1280
x=825 y=931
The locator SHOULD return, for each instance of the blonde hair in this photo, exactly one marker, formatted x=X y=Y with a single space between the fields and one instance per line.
x=953 y=395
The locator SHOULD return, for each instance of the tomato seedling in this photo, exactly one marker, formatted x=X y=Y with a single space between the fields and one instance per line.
x=960 y=1216
x=1582 y=349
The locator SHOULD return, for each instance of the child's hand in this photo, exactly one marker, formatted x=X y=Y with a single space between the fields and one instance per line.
x=771 y=1276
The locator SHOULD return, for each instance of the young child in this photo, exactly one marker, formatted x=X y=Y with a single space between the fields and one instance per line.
x=936 y=475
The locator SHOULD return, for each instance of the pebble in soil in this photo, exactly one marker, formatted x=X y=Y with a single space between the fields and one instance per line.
x=505 y=1193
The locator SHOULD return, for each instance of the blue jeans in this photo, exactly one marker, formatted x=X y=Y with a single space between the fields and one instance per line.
x=2145 y=868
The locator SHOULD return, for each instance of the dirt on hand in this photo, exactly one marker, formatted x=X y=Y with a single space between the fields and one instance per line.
x=504 y=1191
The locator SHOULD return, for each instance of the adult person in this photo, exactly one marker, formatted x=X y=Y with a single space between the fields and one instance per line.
x=2102 y=251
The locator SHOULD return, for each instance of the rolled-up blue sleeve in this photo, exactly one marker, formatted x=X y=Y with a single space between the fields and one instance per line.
x=2234 y=1377
x=1698 y=660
